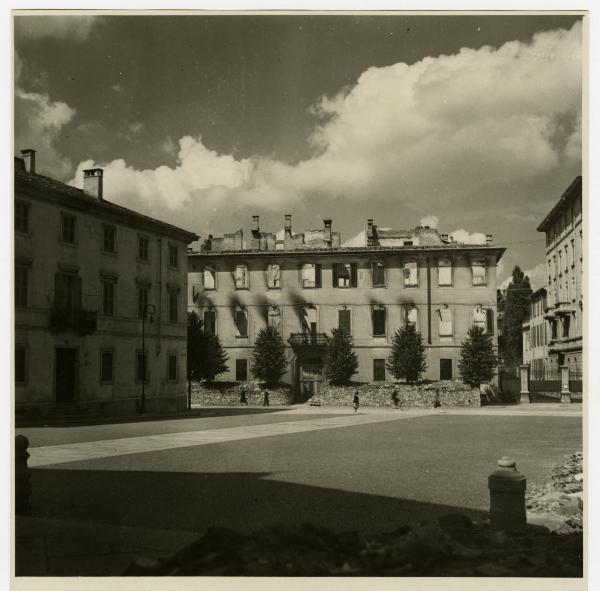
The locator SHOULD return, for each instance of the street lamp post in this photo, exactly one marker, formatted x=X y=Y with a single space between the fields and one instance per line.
x=147 y=308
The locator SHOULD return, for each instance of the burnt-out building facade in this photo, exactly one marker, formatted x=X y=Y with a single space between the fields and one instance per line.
x=307 y=284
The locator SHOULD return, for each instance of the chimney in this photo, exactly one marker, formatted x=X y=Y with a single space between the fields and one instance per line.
x=92 y=182
x=328 y=237
x=255 y=224
x=488 y=238
x=288 y=224
x=444 y=237
x=29 y=159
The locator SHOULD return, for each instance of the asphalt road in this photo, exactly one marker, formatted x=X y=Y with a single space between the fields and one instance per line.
x=372 y=477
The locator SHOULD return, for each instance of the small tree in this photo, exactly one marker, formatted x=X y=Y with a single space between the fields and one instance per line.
x=408 y=358
x=478 y=360
x=340 y=361
x=206 y=358
x=269 y=361
x=194 y=339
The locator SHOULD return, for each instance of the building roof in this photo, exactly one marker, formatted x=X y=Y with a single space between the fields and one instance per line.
x=573 y=191
x=50 y=189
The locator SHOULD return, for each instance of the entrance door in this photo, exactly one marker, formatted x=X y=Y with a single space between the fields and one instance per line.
x=65 y=377
x=310 y=374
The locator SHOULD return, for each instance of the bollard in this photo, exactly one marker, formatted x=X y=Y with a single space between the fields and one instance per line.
x=22 y=475
x=507 y=497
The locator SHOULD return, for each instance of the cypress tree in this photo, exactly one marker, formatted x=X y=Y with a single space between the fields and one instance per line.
x=478 y=360
x=340 y=361
x=516 y=311
x=269 y=361
x=408 y=359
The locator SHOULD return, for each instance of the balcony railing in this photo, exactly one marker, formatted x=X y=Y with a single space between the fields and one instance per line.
x=83 y=322
x=300 y=339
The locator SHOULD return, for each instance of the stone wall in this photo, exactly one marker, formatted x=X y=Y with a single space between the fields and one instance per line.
x=452 y=393
x=228 y=394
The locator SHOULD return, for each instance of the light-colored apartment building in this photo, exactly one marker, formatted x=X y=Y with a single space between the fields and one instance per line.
x=535 y=335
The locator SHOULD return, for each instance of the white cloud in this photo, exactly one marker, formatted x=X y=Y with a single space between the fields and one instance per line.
x=465 y=237
x=74 y=27
x=430 y=220
x=442 y=128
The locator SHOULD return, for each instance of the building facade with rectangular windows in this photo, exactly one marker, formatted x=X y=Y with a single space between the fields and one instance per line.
x=86 y=270
x=307 y=284
x=535 y=335
x=563 y=313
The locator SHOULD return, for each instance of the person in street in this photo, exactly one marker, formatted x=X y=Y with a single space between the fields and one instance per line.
x=243 y=396
x=265 y=394
x=437 y=402
x=395 y=397
x=356 y=401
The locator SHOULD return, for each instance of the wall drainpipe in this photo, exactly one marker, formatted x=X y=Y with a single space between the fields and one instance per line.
x=428 y=301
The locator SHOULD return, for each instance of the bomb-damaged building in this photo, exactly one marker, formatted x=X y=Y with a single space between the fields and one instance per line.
x=306 y=284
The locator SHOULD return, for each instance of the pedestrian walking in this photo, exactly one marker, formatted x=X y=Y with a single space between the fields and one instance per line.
x=437 y=402
x=395 y=397
x=356 y=401
x=243 y=396
x=265 y=394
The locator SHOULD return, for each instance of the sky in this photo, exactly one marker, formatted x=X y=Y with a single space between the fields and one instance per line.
x=468 y=123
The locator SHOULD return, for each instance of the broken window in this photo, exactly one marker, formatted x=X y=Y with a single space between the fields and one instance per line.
x=311 y=275
x=209 y=321
x=241 y=277
x=378 y=271
x=308 y=318
x=410 y=273
x=274 y=318
x=274 y=276
x=209 y=277
x=445 y=322
x=344 y=275
x=241 y=322
x=344 y=321
x=378 y=315
x=444 y=272
x=478 y=270
x=480 y=318
x=411 y=316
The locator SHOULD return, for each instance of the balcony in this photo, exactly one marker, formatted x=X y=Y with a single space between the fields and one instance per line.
x=83 y=322
x=302 y=339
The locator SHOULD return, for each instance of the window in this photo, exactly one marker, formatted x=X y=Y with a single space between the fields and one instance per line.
x=378 y=314
x=20 y=365
x=565 y=326
x=410 y=273
x=274 y=276
x=479 y=318
x=445 y=322
x=445 y=369
x=172 y=367
x=106 y=367
x=308 y=316
x=108 y=298
x=553 y=329
x=173 y=256
x=143 y=296
x=489 y=317
x=108 y=239
x=209 y=277
x=141 y=369
x=311 y=275
x=143 y=248
x=68 y=228
x=173 y=303
x=411 y=316
x=444 y=272
x=21 y=286
x=209 y=323
x=274 y=318
x=344 y=274
x=22 y=215
x=478 y=271
x=241 y=277
x=67 y=291
x=408 y=243
x=344 y=321
x=241 y=322
x=241 y=370
x=379 y=370
x=378 y=274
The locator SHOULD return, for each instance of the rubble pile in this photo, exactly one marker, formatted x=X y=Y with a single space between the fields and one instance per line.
x=558 y=504
x=453 y=546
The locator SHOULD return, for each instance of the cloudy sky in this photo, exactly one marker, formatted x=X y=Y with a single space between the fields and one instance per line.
x=469 y=122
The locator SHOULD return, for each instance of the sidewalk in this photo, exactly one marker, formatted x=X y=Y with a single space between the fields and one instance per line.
x=52 y=547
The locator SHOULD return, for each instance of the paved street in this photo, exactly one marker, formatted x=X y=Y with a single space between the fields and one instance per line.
x=370 y=471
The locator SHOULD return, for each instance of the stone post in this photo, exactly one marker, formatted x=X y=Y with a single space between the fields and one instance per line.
x=524 y=377
x=565 y=393
x=22 y=475
x=507 y=497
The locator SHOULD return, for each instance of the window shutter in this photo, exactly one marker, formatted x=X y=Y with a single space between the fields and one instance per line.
x=334 y=275
x=489 y=313
x=317 y=275
x=353 y=279
x=344 y=321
